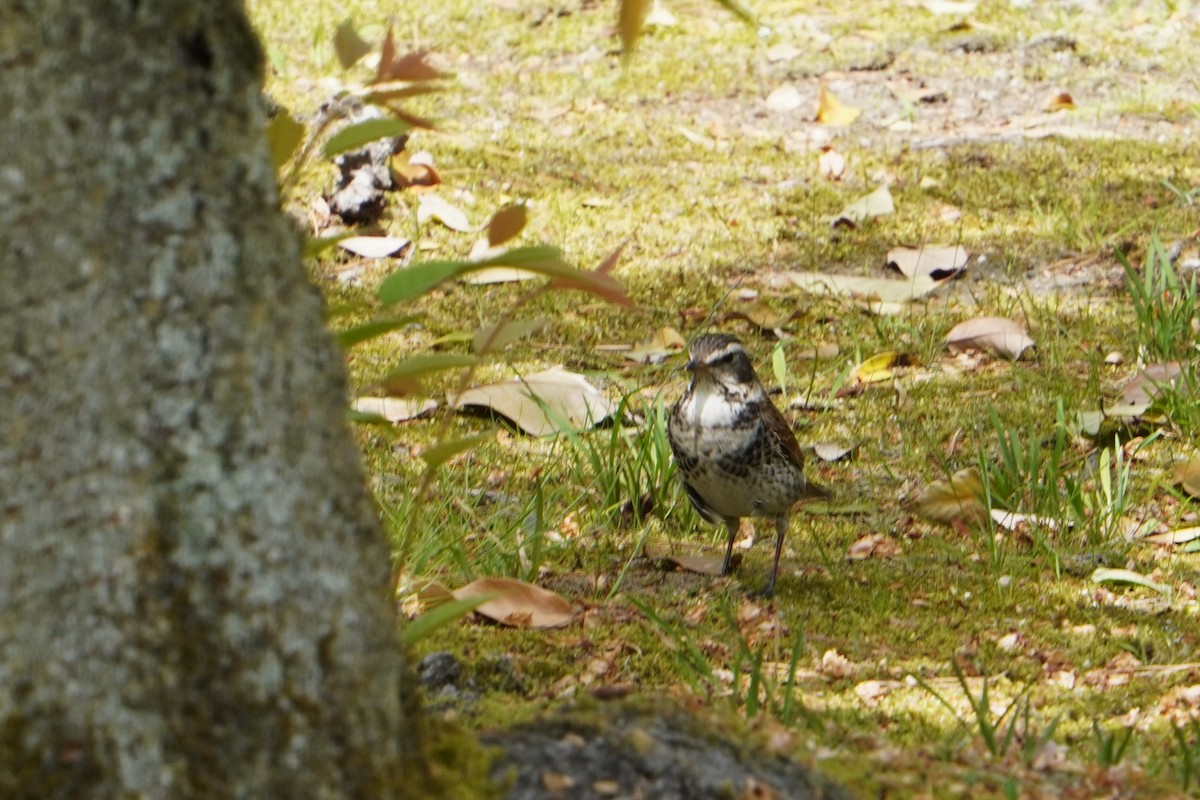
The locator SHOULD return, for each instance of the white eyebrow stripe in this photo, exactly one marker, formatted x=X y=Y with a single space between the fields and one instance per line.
x=727 y=350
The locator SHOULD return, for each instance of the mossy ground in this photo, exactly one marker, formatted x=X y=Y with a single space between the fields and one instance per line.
x=676 y=154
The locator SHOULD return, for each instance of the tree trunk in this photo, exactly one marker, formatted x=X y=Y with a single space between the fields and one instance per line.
x=192 y=579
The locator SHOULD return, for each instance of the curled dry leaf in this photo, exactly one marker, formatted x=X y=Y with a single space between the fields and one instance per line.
x=957 y=499
x=517 y=604
x=543 y=403
x=876 y=204
x=430 y=206
x=373 y=246
x=832 y=111
x=394 y=409
x=415 y=175
x=1139 y=394
x=997 y=334
x=936 y=261
x=1059 y=101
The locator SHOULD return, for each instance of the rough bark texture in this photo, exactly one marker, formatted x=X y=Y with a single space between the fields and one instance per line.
x=192 y=582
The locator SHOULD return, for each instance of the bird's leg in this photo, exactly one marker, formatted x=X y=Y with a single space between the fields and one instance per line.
x=732 y=526
x=781 y=527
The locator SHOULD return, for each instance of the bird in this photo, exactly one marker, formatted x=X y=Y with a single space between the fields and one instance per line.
x=734 y=451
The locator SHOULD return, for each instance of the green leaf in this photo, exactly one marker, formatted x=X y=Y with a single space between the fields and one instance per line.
x=314 y=247
x=284 y=135
x=370 y=330
x=364 y=418
x=442 y=452
x=738 y=10
x=416 y=280
x=495 y=338
x=355 y=136
x=1103 y=574
x=432 y=362
x=439 y=617
x=348 y=45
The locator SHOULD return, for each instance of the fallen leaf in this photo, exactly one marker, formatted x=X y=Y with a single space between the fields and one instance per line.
x=784 y=51
x=492 y=275
x=762 y=316
x=394 y=409
x=1012 y=520
x=1059 y=101
x=880 y=367
x=876 y=204
x=873 y=545
x=827 y=451
x=1002 y=336
x=956 y=499
x=832 y=111
x=1177 y=536
x=948 y=7
x=784 y=98
x=430 y=206
x=1104 y=574
x=665 y=342
x=870 y=692
x=544 y=403
x=415 y=175
x=831 y=164
x=517 y=603
x=1187 y=475
x=695 y=561
x=936 y=261
x=884 y=290
x=374 y=246
x=1147 y=384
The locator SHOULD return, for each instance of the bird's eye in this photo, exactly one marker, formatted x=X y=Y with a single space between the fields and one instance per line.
x=725 y=358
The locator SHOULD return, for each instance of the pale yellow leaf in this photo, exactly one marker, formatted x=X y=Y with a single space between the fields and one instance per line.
x=373 y=246
x=1187 y=475
x=394 y=409
x=784 y=98
x=832 y=111
x=665 y=342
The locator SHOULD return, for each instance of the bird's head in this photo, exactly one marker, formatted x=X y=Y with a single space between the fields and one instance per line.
x=720 y=359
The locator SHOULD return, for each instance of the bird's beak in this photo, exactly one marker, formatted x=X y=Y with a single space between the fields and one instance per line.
x=691 y=365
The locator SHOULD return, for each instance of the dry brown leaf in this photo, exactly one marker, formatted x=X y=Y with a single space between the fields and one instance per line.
x=762 y=316
x=784 y=98
x=997 y=334
x=374 y=246
x=936 y=261
x=876 y=204
x=873 y=545
x=417 y=174
x=541 y=403
x=832 y=111
x=517 y=603
x=430 y=206
x=1187 y=475
x=692 y=560
x=957 y=499
x=394 y=409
